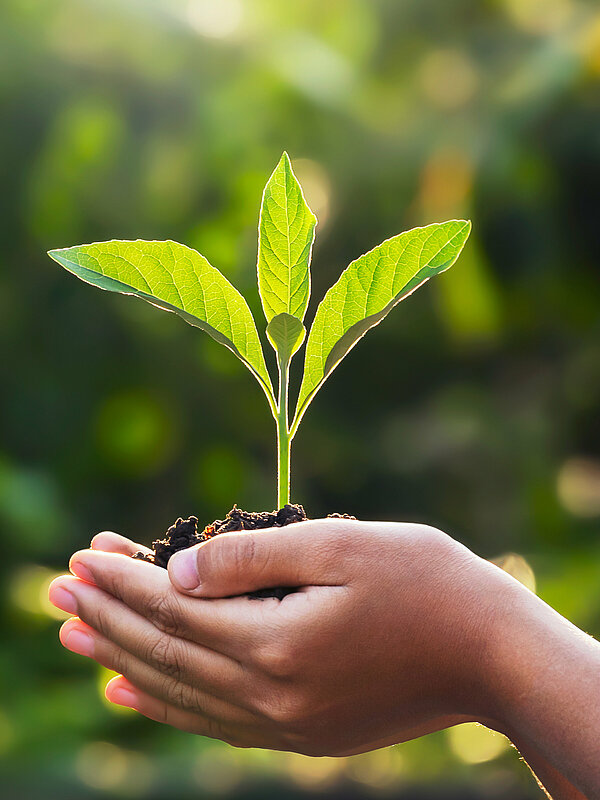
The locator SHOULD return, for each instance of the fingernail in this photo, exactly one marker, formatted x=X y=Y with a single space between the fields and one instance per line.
x=77 y=568
x=123 y=697
x=63 y=599
x=79 y=642
x=183 y=569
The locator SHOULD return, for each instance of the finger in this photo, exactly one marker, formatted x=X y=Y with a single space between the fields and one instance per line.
x=78 y=637
x=176 y=658
x=124 y=693
x=229 y=627
x=312 y=552
x=111 y=542
x=120 y=691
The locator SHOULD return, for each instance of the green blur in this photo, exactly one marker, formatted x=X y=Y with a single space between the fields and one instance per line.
x=474 y=408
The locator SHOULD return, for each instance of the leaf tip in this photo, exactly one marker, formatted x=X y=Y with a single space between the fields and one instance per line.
x=56 y=254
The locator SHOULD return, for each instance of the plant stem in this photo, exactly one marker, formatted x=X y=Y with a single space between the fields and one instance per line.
x=283 y=439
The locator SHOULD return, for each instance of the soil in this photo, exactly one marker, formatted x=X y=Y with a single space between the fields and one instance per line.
x=184 y=533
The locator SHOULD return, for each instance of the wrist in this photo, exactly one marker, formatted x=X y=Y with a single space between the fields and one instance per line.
x=528 y=648
x=499 y=653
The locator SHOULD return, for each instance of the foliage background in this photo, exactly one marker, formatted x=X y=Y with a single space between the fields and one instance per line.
x=474 y=407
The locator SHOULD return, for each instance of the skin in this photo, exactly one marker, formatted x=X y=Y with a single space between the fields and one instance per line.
x=397 y=631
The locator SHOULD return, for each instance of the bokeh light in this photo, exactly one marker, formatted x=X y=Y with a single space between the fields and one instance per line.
x=448 y=78
x=104 y=766
x=578 y=485
x=517 y=566
x=28 y=591
x=380 y=770
x=540 y=16
x=314 y=773
x=316 y=187
x=215 y=18
x=472 y=743
x=217 y=769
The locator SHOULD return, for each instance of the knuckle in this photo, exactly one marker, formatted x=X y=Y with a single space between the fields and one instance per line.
x=229 y=554
x=337 y=549
x=244 y=550
x=162 y=610
x=112 y=581
x=164 y=654
x=287 y=710
x=276 y=660
x=121 y=661
x=214 y=730
x=181 y=695
x=241 y=553
x=100 y=619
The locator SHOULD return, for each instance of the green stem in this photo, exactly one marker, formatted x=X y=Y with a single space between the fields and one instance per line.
x=283 y=440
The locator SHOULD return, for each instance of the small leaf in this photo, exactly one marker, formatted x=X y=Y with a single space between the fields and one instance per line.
x=367 y=291
x=175 y=278
x=286 y=231
x=286 y=333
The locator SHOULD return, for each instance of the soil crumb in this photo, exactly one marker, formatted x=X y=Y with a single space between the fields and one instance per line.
x=184 y=533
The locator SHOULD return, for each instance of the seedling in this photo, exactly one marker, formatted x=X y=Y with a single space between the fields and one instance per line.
x=176 y=278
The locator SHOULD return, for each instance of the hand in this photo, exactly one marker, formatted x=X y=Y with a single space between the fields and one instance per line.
x=387 y=639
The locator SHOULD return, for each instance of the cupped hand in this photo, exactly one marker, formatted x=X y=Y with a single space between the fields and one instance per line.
x=385 y=640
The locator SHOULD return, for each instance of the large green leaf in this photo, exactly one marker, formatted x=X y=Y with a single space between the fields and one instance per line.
x=368 y=290
x=286 y=231
x=175 y=278
x=286 y=333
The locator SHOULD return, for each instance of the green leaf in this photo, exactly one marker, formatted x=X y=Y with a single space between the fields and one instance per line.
x=175 y=278
x=367 y=291
x=286 y=333
x=286 y=231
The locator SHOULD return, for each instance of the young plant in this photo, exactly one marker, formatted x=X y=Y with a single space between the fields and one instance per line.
x=176 y=278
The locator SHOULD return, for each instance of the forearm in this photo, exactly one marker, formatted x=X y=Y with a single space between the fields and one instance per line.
x=546 y=674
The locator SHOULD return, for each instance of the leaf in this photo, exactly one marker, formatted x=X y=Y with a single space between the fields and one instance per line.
x=175 y=278
x=367 y=291
x=286 y=231
x=286 y=333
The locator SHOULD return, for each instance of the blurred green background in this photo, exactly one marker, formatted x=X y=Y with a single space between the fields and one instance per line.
x=474 y=407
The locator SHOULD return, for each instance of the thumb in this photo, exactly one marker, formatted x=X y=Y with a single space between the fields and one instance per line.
x=236 y=563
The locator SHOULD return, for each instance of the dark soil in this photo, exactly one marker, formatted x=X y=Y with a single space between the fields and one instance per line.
x=184 y=533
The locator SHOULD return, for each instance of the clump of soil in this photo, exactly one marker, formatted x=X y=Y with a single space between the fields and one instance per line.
x=184 y=533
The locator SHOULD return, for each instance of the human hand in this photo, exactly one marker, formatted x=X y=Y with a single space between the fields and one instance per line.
x=387 y=639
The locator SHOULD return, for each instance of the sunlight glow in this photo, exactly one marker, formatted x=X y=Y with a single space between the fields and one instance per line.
x=474 y=744
x=589 y=45
x=539 y=16
x=104 y=676
x=312 y=66
x=216 y=19
x=28 y=591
